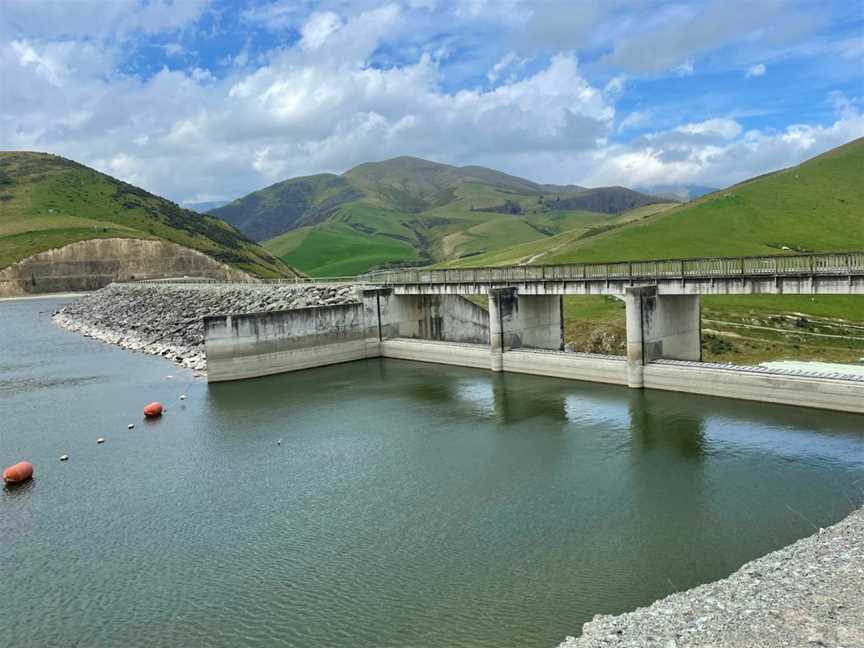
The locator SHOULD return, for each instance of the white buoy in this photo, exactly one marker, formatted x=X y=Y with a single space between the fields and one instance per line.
x=64 y=457
x=279 y=442
x=182 y=396
x=100 y=440
x=131 y=426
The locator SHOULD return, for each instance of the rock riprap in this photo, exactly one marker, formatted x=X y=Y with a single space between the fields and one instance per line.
x=166 y=320
x=810 y=593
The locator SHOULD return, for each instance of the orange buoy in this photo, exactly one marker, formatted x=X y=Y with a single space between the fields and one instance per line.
x=153 y=410
x=20 y=472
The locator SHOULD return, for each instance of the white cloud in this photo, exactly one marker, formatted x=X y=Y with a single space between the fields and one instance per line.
x=311 y=108
x=757 y=70
x=110 y=21
x=684 y=69
x=633 y=120
x=319 y=105
x=509 y=60
x=718 y=153
x=663 y=36
x=318 y=28
x=173 y=49
x=718 y=127
x=276 y=15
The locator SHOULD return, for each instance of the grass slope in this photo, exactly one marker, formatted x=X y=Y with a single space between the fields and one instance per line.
x=539 y=251
x=48 y=202
x=337 y=249
x=817 y=206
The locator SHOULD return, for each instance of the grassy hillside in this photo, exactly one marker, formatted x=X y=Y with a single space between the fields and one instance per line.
x=285 y=205
x=413 y=211
x=49 y=201
x=817 y=206
x=338 y=250
x=539 y=251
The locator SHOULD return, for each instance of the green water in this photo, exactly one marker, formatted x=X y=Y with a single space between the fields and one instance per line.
x=408 y=505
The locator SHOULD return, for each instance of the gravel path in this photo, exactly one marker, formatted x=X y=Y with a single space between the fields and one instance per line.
x=165 y=320
x=809 y=594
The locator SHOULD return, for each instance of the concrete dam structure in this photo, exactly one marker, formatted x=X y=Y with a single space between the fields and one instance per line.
x=424 y=316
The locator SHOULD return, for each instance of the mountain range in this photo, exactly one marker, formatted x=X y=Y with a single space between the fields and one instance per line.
x=409 y=211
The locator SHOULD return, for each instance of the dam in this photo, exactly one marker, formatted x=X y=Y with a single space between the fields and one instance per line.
x=423 y=315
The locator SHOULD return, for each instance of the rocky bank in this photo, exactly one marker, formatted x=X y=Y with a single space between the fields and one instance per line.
x=166 y=320
x=809 y=594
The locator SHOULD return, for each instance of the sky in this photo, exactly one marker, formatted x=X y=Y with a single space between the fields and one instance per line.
x=201 y=100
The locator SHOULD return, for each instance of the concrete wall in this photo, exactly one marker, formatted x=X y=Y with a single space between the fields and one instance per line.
x=93 y=264
x=804 y=391
x=541 y=322
x=463 y=355
x=260 y=344
x=526 y=321
x=450 y=318
x=672 y=327
x=573 y=366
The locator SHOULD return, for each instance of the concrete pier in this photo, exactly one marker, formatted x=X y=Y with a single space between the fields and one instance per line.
x=660 y=326
x=502 y=305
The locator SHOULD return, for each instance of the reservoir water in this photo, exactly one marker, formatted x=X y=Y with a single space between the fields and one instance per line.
x=408 y=505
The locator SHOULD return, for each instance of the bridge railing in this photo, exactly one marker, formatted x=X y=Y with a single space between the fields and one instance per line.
x=845 y=263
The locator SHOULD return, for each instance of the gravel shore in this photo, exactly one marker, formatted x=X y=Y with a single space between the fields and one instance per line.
x=165 y=320
x=808 y=594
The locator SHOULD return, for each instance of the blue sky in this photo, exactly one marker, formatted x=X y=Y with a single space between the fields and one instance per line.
x=208 y=100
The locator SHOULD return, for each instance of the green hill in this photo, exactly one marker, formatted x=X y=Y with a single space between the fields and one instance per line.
x=47 y=201
x=285 y=205
x=817 y=206
x=409 y=211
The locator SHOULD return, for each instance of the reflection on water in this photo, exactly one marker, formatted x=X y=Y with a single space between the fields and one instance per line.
x=407 y=504
x=663 y=425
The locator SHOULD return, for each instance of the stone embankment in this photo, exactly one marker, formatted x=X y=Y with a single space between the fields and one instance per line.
x=165 y=320
x=810 y=593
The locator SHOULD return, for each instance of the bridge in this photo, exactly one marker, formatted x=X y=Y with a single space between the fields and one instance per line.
x=834 y=273
x=422 y=314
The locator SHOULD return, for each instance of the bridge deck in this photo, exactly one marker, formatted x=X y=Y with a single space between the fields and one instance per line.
x=837 y=273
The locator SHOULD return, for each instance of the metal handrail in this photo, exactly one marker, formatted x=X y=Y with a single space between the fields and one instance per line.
x=832 y=263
